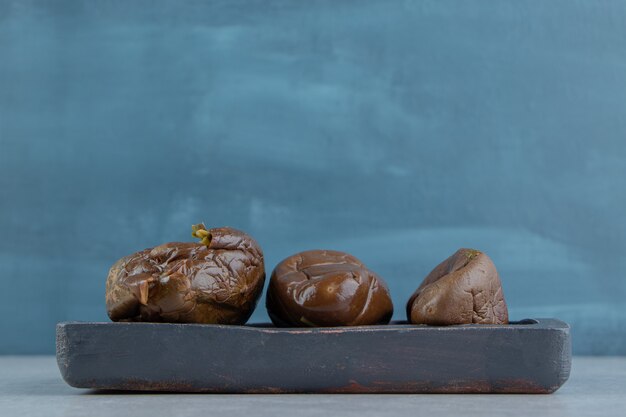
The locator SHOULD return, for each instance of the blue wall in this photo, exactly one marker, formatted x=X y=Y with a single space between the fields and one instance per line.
x=398 y=131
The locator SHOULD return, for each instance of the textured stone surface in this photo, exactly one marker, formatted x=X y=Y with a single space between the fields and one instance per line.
x=31 y=386
x=397 y=133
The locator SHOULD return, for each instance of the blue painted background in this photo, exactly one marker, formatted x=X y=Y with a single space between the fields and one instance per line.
x=398 y=131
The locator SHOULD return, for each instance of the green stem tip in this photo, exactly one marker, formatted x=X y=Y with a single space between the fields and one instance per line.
x=199 y=231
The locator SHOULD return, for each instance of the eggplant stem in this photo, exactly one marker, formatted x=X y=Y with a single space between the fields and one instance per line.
x=199 y=231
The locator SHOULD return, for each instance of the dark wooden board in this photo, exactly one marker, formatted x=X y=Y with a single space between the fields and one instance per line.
x=532 y=356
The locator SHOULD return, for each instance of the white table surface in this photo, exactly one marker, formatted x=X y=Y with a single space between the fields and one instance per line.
x=32 y=386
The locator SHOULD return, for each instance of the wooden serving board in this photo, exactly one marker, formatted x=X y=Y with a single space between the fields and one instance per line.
x=531 y=356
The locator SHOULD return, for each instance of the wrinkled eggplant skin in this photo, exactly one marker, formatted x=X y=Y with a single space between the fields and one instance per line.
x=463 y=289
x=324 y=288
x=189 y=282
